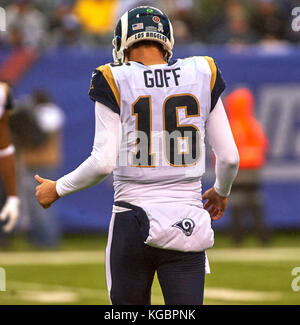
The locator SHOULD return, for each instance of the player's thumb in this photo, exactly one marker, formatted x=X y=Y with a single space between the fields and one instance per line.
x=205 y=196
x=39 y=179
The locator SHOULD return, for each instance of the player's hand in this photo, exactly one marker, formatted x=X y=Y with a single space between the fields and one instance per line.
x=215 y=204
x=45 y=192
x=10 y=212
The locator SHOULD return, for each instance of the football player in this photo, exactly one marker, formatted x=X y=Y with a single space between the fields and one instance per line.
x=152 y=114
x=10 y=211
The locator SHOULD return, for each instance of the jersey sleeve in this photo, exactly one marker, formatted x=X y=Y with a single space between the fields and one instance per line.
x=103 y=88
x=217 y=83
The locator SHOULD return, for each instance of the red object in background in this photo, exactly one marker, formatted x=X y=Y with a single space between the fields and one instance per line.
x=248 y=133
x=16 y=64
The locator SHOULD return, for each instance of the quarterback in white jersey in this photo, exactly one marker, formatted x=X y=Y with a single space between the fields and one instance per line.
x=152 y=115
x=163 y=128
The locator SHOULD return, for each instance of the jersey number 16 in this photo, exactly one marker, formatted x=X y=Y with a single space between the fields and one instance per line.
x=173 y=132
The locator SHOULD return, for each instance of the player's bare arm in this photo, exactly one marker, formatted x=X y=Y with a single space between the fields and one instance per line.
x=10 y=210
x=7 y=166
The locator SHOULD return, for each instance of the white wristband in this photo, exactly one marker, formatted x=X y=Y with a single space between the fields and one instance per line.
x=7 y=151
x=13 y=199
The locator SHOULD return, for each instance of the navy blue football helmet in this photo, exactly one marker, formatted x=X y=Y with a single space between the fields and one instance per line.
x=140 y=24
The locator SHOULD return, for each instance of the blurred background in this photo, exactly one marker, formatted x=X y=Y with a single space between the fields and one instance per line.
x=47 y=54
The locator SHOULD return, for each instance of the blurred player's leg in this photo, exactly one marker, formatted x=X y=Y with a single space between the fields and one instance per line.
x=239 y=208
x=237 y=230
x=257 y=211
x=44 y=227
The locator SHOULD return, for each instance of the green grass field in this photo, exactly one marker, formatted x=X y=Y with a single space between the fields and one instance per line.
x=75 y=273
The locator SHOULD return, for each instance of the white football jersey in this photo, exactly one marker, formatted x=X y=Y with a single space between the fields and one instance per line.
x=163 y=110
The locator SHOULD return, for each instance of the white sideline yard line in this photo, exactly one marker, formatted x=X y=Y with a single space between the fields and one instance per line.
x=52 y=258
x=52 y=293
x=55 y=294
x=225 y=294
x=254 y=254
x=98 y=256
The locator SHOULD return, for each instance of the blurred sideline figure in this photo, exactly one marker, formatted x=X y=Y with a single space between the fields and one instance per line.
x=37 y=128
x=26 y=24
x=96 y=16
x=252 y=145
x=10 y=211
x=236 y=29
x=41 y=24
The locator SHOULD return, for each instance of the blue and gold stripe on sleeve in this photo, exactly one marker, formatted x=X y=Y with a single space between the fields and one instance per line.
x=103 y=88
x=217 y=83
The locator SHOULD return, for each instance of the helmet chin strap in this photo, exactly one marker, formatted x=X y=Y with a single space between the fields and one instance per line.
x=116 y=55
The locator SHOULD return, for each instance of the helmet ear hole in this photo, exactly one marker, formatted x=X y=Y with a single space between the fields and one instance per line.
x=118 y=42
